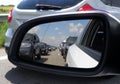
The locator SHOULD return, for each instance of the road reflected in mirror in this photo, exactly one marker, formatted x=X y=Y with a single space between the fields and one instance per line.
x=74 y=43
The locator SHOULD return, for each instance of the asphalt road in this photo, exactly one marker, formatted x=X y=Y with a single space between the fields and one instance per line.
x=10 y=74
x=54 y=58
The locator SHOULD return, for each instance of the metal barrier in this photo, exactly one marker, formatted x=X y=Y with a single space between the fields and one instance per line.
x=3 y=17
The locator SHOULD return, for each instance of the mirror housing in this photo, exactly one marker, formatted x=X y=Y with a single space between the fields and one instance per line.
x=111 y=51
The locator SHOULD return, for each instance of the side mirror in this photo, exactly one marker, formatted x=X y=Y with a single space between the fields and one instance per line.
x=74 y=44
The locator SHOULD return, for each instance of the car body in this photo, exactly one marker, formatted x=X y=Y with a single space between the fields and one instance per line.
x=43 y=48
x=51 y=48
x=66 y=44
x=54 y=48
x=63 y=46
x=29 y=48
x=26 y=10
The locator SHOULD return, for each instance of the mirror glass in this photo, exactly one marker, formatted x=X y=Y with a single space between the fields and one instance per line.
x=71 y=43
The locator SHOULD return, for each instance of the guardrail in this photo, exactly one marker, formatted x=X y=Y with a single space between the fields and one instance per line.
x=3 y=17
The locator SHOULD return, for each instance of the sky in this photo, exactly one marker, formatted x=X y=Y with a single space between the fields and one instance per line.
x=7 y=2
x=55 y=33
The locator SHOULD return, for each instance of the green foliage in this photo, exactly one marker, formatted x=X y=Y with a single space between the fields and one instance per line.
x=3 y=26
x=3 y=29
x=5 y=9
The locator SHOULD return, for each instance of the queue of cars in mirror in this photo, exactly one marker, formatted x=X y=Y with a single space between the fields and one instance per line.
x=64 y=46
x=51 y=42
x=32 y=49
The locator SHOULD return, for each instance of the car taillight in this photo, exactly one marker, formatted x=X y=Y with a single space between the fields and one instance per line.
x=10 y=16
x=86 y=7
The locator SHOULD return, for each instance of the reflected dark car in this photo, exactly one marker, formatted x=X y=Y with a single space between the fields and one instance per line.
x=52 y=48
x=65 y=45
x=49 y=48
x=44 y=48
x=29 y=49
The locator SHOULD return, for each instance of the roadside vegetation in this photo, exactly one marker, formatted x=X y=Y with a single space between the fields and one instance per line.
x=5 y=8
x=3 y=29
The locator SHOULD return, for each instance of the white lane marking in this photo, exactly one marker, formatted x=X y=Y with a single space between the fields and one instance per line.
x=3 y=58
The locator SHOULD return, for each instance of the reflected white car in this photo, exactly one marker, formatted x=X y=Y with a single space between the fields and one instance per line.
x=88 y=49
x=79 y=59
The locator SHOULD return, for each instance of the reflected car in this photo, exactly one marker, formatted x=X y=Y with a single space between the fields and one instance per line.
x=52 y=48
x=49 y=47
x=62 y=48
x=66 y=44
x=43 y=48
x=28 y=9
x=92 y=40
x=29 y=48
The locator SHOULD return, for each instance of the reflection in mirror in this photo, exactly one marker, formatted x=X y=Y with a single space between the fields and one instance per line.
x=55 y=43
